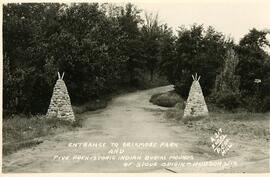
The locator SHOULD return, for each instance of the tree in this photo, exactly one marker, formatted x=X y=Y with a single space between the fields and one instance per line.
x=253 y=59
x=168 y=53
x=254 y=69
x=196 y=51
x=226 y=92
x=25 y=52
x=131 y=44
x=96 y=50
x=227 y=80
x=151 y=37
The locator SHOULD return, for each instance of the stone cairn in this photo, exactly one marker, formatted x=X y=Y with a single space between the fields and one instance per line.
x=60 y=106
x=195 y=105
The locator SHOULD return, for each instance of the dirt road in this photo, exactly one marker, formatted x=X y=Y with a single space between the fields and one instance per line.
x=128 y=119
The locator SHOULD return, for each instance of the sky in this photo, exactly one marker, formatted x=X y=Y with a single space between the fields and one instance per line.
x=230 y=18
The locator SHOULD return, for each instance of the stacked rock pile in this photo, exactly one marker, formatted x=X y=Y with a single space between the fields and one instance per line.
x=195 y=105
x=60 y=105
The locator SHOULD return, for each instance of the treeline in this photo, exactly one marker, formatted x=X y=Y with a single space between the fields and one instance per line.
x=104 y=47
x=233 y=75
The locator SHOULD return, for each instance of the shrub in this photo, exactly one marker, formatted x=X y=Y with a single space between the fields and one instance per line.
x=90 y=106
x=252 y=103
x=227 y=100
x=266 y=104
x=183 y=87
x=168 y=99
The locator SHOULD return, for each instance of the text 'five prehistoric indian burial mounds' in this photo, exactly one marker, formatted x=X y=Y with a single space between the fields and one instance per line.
x=195 y=105
x=60 y=105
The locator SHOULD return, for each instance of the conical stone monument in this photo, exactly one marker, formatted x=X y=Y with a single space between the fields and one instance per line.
x=60 y=106
x=195 y=105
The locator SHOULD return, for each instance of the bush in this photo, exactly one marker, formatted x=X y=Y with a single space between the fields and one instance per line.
x=183 y=87
x=252 y=103
x=266 y=104
x=227 y=100
x=168 y=99
x=90 y=106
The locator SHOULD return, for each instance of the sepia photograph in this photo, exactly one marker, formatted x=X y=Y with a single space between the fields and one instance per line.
x=136 y=87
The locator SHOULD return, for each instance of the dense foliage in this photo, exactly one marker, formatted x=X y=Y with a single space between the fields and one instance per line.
x=254 y=69
x=103 y=47
x=100 y=47
x=196 y=51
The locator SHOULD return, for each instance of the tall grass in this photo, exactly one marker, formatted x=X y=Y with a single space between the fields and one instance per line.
x=21 y=132
x=245 y=125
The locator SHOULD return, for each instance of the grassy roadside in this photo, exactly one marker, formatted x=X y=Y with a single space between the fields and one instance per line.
x=20 y=131
x=249 y=132
x=241 y=124
x=23 y=132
